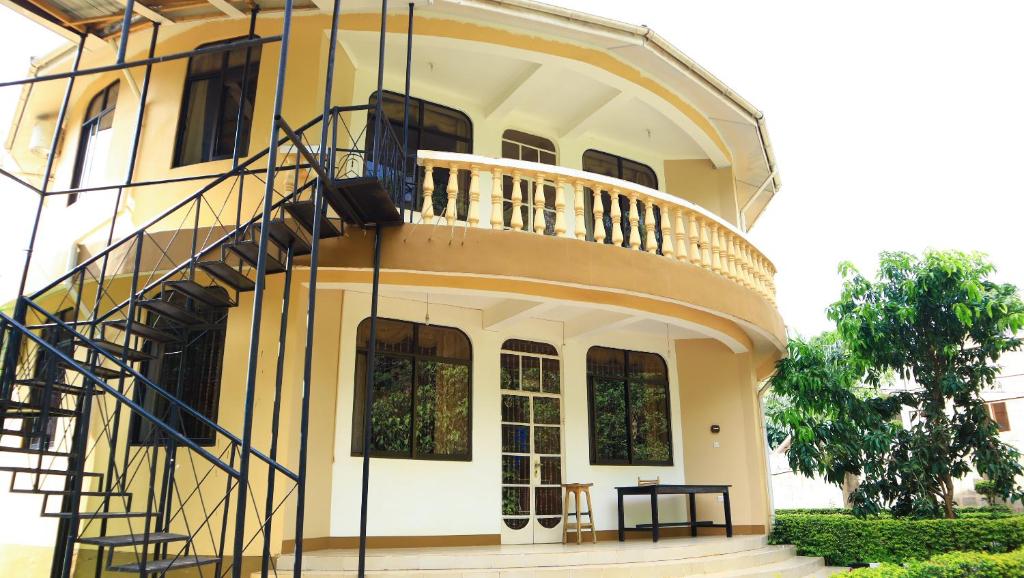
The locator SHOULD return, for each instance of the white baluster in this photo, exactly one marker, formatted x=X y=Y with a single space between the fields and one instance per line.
x=705 y=245
x=716 y=249
x=451 y=212
x=634 y=222
x=473 y=215
x=694 y=230
x=616 y=219
x=428 y=192
x=667 y=243
x=539 y=224
x=577 y=206
x=599 y=233
x=497 y=218
x=730 y=245
x=652 y=241
x=560 y=208
x=681 y=246
x=517 y=201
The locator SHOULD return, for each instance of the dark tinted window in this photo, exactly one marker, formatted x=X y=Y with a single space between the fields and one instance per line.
x=618 y=167
x=94 y=142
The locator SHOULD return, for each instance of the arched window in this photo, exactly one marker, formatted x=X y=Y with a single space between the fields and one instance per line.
x=211 y=101
x=610 y=165
x=94 y=141
x=422 y=392
x=628 y=399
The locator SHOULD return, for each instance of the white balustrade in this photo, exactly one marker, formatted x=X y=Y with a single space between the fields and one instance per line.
x=689 y=234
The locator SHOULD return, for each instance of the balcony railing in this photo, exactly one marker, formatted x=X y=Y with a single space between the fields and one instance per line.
x=639 y=218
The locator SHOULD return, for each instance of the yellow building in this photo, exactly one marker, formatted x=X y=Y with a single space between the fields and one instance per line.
x=552 y=227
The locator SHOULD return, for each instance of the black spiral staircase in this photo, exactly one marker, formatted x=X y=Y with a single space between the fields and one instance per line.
x=102 y=432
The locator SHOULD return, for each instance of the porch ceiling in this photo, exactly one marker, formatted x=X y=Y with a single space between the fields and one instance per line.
x=557 y=97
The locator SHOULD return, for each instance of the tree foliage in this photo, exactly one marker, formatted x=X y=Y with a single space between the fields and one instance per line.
x=936 y=320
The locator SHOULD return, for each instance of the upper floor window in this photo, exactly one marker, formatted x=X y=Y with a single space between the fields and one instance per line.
x=527 y=147
x=210 y=105
x=94 y=141
x=618 y=167
x=421 y=391
x=628 y=399
x=431 y=127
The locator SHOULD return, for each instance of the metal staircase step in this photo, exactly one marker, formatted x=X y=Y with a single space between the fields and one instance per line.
x=173 y=312
x=46 y=472
x=133 y=539
x=56 y=387
x=34 y=452
x=362 y=200
x=286 y=237
x=303 y=212
x=16 y=410
x=214 y=296
x=249 y=251
x=101 y=515
x=228 y=274
x=97 y=370
x=161 y=566
x=144 y=331
x=89 y=493
x=119 y=350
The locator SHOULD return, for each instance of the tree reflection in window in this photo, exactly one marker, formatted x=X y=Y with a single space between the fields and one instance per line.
x=629 y=408
x=421 y=394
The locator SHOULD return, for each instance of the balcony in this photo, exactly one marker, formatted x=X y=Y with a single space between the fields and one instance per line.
x=541 y=199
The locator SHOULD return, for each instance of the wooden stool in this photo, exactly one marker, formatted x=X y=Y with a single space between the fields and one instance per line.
x=576 y=490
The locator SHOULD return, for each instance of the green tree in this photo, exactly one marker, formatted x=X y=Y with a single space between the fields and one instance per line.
x=937 y=320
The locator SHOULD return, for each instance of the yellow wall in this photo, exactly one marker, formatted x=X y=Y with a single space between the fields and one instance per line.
x=699 y=182
x=717 y=386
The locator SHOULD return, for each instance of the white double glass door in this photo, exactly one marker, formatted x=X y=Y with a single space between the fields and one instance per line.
x=531 y=444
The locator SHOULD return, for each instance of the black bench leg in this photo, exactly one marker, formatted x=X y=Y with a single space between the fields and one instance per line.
x=654 y=516
x=622 y=521
x=728 y=514
x=693 y=515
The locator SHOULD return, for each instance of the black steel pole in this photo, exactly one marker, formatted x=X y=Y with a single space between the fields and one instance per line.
x=371 y=370
x=245 y=86
x=314 y=260
x=126 y=24
x=257 y=303
x=275 y=420
x=407 y=195
x=378 y=113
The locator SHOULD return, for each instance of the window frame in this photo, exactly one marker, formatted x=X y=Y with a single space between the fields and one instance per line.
x=86 y=133
x=528 y=205
x=414 y=357
x=591 y=417
x=217 y=321
x=994 y=414
x=221 y=74
x=417 y=111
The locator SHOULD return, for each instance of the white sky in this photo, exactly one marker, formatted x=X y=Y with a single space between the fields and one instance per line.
x=896 y=125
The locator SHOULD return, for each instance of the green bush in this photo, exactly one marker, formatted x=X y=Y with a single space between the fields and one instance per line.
x=846 y=540
x=952 y=565
x=997 y=511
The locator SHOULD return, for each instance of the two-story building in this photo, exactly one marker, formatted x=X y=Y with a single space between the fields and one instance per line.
x=570 y=294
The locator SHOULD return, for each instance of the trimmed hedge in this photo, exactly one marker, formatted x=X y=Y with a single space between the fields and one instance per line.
x=999 y=510
x=848 y=541
x=952 y=565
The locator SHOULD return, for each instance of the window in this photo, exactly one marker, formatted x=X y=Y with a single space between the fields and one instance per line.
x=209 y=108
x=190 y=369
x=94 y=141
x=997 y=411
x=628 y=400
x=620 y=168
x=526 y=147
x=431 y=127
x=421 y=393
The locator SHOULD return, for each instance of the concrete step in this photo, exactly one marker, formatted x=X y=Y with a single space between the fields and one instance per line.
x=793 y=567
x=775 y=560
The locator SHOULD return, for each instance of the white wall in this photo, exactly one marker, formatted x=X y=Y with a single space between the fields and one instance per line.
x=421 y=497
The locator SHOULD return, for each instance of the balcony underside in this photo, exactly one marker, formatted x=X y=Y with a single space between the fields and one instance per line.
x=515 y=275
